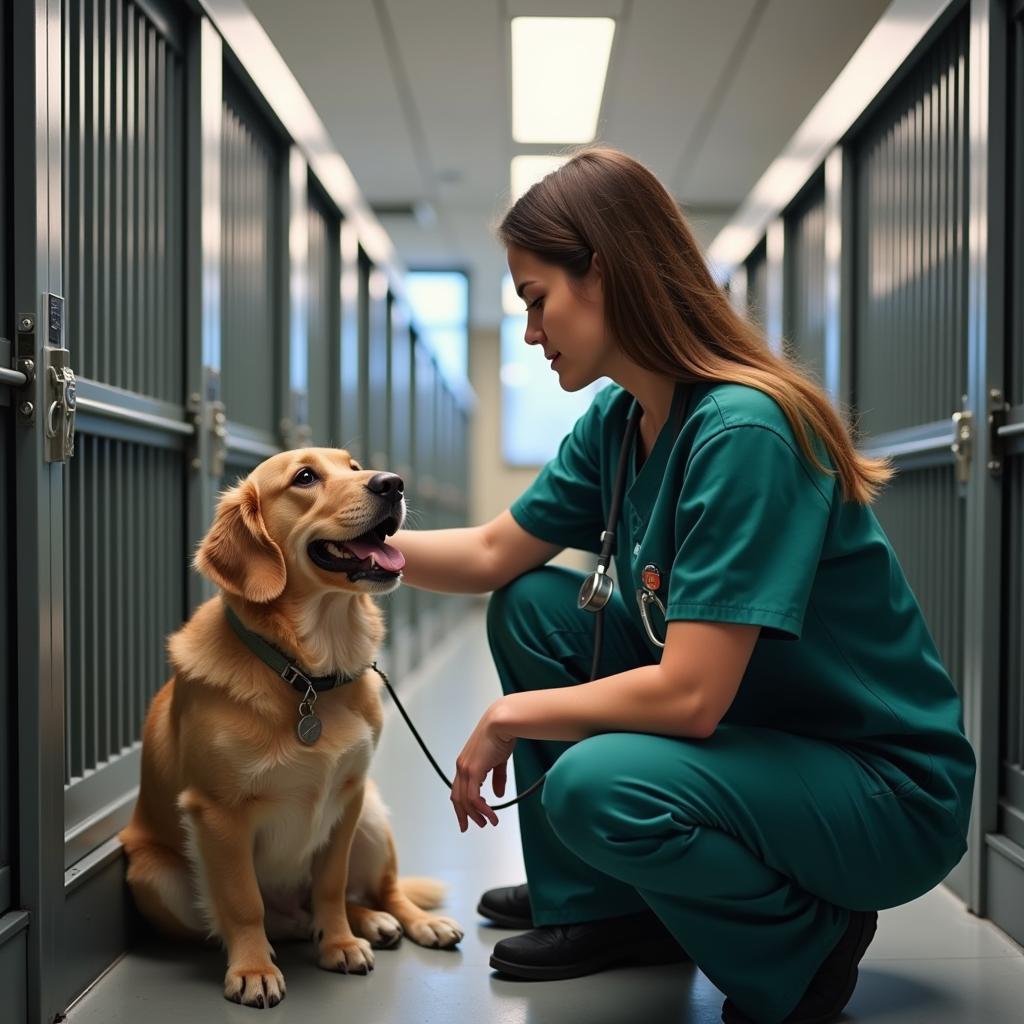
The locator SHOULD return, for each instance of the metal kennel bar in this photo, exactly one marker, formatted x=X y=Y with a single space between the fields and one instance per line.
x=922 y=343
x=123 y=249
x=253 y=325
x=804 y=276
x=158 y=334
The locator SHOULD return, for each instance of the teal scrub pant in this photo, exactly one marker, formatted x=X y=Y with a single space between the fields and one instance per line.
x=751 y=845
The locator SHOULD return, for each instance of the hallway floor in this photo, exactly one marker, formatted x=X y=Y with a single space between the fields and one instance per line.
x=931 y=961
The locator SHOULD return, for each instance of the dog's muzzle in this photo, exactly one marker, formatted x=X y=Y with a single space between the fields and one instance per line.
x=367 y=556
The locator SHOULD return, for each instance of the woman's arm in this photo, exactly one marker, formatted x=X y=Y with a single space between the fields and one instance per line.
x=637 y=700
x=471 y=559
x=453 y=561
x=685 y=694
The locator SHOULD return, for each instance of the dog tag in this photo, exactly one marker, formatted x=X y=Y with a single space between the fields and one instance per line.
x=309 y=729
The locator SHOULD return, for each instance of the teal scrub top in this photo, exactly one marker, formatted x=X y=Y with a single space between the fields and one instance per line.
x=742 y=527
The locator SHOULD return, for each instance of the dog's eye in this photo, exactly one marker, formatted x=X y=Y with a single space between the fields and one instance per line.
x=304 y=478
x=355 y=465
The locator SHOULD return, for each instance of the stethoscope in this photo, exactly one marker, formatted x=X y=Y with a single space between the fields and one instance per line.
x=595 y=593
x=596 y=590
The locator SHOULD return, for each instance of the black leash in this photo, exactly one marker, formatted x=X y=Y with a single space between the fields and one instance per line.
x=447 y=781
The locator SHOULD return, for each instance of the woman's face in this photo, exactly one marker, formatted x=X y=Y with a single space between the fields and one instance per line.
x=567 y=322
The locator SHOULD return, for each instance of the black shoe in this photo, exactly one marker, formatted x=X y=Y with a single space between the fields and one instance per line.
x=508 y=906
x=830 y=989
x=571 y=950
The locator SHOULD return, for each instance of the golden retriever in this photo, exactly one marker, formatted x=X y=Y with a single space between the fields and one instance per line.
x=242 y=831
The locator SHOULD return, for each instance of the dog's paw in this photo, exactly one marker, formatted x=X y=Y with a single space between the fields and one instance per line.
x=436 y=932
x=381 y=929
x=349 y=956
x=261 y=986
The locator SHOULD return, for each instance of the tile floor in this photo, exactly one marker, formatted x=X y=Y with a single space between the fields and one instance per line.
x=931 y=961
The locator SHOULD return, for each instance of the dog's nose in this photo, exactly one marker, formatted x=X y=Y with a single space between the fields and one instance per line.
x=387 y=485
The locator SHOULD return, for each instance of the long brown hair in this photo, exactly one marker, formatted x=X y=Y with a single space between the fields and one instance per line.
x=661 y=303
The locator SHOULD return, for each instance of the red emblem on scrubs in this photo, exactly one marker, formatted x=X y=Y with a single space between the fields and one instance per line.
x=651 y=576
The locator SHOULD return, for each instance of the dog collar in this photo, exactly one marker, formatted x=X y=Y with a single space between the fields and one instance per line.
x=288 y=670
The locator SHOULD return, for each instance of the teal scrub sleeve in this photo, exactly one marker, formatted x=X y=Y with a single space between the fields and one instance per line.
x=563 y=504
x=750 y=526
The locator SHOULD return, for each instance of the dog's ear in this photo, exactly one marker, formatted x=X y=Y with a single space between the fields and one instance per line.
x=237 y=552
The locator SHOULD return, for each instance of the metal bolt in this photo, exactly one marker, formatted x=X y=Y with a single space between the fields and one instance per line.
x=27 y=366
x=26 y=408
x=27 y=323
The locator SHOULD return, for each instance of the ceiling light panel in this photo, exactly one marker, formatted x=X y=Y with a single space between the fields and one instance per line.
x=558 y=73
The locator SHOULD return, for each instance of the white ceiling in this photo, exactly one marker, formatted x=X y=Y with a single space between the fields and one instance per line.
x=416 y=96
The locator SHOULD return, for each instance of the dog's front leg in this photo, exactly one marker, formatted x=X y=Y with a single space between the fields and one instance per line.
x=224 y=842
x=338 y=949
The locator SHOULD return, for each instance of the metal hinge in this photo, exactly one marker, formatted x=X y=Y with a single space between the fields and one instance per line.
x=963 y=440
x=998 y=412
x=216 y=425
x=25 y=367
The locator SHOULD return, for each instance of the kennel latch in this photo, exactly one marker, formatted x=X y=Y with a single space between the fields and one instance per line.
x=61 y=403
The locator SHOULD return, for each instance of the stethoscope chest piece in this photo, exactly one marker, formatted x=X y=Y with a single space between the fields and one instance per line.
x=595 y=591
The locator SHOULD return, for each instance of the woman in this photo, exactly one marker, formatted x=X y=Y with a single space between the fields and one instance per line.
x=793 y=759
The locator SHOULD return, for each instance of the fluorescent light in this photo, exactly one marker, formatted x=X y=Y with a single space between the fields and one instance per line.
x=529 y=169
x=558 y=71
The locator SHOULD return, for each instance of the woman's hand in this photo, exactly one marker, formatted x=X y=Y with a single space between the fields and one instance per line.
x=487 y=748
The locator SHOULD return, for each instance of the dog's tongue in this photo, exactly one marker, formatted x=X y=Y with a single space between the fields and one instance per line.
x=386 y=556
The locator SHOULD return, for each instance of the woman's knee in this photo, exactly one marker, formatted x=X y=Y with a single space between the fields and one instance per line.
x=571 y=793
x=512 y=627
x=529 y=630
x=592 y=799
x=506 y=602
x=524 y=604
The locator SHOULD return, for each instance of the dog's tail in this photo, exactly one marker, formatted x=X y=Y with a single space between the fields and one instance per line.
x=426 y=893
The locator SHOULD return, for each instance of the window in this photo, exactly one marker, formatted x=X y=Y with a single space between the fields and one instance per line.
x=535 y=412
x=440 y=306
